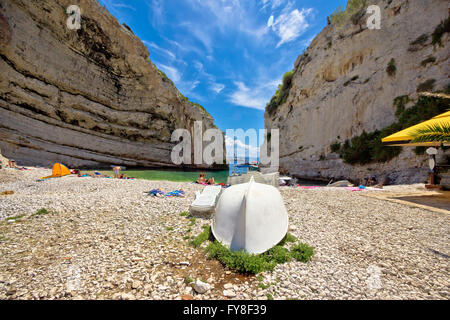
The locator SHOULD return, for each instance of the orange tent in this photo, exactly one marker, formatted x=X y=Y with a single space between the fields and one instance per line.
x=58 y=171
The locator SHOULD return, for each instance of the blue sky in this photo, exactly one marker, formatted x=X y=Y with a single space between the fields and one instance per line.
x=227 y=55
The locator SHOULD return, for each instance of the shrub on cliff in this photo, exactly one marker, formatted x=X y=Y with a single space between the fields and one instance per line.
x=426 y=86
x=391 y=68
x=368 y=148
x=282 y=93
x=443 y=27
x=352 y=12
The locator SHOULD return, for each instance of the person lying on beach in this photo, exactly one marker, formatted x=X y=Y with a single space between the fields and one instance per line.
x=202 y=179
x=117 y=172
x=12 y=164
x=370 y=181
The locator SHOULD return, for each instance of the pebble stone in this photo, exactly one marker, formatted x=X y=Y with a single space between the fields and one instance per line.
x=107 y=239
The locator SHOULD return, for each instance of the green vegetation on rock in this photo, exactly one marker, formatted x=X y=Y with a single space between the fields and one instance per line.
x=202 y=237
x=426 y=86
x=342 y=15
x=420 y=40
x=282 y=93
x=427 y=61
x=245 y=262
x=40 y=212
x=391 y=68
x=443 y=27
x=368 y=148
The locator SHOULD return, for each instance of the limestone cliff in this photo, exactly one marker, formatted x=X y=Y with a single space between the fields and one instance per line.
x=89 y=97
x=343 y=86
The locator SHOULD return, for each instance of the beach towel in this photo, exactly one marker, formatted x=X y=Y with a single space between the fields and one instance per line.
x=360 y=188
x=156 y=193
x=175 y=193
x=310 y=187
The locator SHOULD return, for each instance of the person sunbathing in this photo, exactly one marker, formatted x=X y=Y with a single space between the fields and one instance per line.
x=370 y=181
x=12 y=164
x=117 y=172
x=202 y=179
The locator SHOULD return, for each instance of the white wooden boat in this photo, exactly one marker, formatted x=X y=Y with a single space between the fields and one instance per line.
x=251 y=217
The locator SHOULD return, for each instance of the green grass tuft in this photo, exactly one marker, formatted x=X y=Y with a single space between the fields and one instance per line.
x=278 y=254
x=15 y=218
x=40 y=212
x=288 y=238
x=245 y=262
x=188 y=280
x=192 y=221
x=202 y=237
x=302 y=252
x=238 y=260
x=264 y=286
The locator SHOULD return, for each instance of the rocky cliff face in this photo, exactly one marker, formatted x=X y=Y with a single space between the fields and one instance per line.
x=89 y=97
x=341 y=88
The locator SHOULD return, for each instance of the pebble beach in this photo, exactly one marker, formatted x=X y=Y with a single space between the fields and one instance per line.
x=107 y=239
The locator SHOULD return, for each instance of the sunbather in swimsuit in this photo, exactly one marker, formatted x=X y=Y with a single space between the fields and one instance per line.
x=117 y=172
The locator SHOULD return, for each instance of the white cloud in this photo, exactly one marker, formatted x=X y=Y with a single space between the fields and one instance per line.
x=195 y=84
x=227 y=15
x=241 y=148
x=122 y=5
x=203 y=35
x=171 y=72
x=270 y=21
x=156 y=13
x=217 y=87
x=289 y=26
x=198 y=65
x=255 y=98
x=277 y=3
x=159 y=49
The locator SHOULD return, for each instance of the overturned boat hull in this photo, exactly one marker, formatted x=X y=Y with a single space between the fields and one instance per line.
x=250 y=217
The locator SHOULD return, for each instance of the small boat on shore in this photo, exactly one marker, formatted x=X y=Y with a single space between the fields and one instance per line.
x=251 y=217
